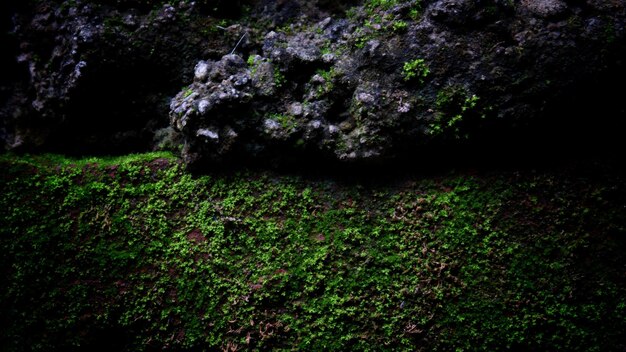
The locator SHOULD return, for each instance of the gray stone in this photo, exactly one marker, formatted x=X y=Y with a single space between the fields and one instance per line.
x=544 y=8
x=208 y=134
x=330 y=82
x=201 y=71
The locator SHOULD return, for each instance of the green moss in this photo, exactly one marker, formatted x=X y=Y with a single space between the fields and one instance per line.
x=415 y=13
x=187 y=91
x=287 y=122
x=453 y=105
x=416 y=69
x=380 y=17
x=361 y=38
x=96 y=247
x=374 y=7
x=386 y=4
x=279 y=77
x=328 y=85
x=399 y=26
x=253 y=64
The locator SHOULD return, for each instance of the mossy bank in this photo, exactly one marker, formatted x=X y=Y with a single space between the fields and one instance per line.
x=136 y=254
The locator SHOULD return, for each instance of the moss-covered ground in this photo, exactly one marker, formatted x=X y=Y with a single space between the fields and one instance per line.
x=137 y=254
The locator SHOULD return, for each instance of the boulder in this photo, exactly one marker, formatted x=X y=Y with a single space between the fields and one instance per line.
x=341 y=81
x=394 y=77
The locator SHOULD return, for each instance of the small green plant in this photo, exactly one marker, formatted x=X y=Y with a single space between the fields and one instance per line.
x=279 y=77
x=250 y=61
x=328 y=85
x=381 y=4
x=361 y=41
x=187 y=91
x=361 y=36
x=399 y=26
x=386 y=14
x=453 y=104
x=373 y=6
x=415 y=69
x=253 y=64
x=468 y=103
x=327 y=75
x=287 y=122
x=414 y=13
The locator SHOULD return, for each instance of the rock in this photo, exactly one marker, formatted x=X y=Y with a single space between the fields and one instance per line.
x=262 y=73
x=167 y=139
x=545 y=8
x=295 y=109
x=453 y=11
x=201 y=71
x=380 y=83
x=97 y=76
x=342 y=90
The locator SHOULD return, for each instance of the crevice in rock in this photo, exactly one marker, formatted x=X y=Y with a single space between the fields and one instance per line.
x=116 y=110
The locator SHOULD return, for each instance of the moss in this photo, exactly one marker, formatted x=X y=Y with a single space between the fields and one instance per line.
x=287 y=122
x=453 y=105
x=385 y=5
x=416 y=69
x=137 y=251
x=329 y=77
x=376 y=7
x=361 y=37
x=399 y=26
x=381 y=17
x=253 y=64
x=187 y=91
x=279 y=77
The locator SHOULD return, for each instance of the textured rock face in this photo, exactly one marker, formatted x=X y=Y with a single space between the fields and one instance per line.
x=98 y=75
x=392 y=77
x=349 y=81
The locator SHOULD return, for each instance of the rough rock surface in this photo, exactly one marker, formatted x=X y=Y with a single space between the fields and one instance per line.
x=97 y=76
x=350 y=81
x=393 y=76
x=88 y=76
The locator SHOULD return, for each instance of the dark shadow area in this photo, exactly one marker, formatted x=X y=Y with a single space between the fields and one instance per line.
x=116 y=111
x=337 y=7
x=11 y=73
x=218 y=8
x=8 y=56
x=584 y=123
x=110 y=339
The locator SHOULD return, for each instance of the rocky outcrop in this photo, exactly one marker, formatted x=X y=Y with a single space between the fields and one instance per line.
x=393 y=76
x=348 y=81
x=97 y=76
